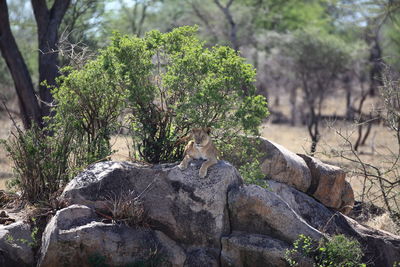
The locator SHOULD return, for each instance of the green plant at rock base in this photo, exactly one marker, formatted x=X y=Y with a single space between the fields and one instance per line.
x=40 y=161
x=175 y=83
x=337 y=251
x=86 y=109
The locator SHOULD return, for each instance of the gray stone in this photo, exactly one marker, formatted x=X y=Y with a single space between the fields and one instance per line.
x=16 y=245
x=381 y=248
x=328 y=185
x=201 y=257
x=347 y=199
x=187 y=208
x=260 y=211
x=73 y=237
x=284 y=166
x=243 y=249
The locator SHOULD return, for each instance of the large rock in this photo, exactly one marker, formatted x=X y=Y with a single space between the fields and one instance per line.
x=257 y=210
x=73 y=237
x=201 y=257
x=187 y=208
x=16 y=245
x=284 y=166
x=381 y=248
x=328 y=185
x=195 y=222
x=347 y=199
x=242 y=249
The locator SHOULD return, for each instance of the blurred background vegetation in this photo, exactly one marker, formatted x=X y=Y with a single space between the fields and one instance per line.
x=328 y=68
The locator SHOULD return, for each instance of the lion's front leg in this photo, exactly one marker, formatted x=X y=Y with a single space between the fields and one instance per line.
x=184 y=164
x=204 y=167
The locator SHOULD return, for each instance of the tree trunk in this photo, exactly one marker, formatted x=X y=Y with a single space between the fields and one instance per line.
x=293 y=105
x=48 y=22
x=375 y=56
x=232 y=23
x=29 y=107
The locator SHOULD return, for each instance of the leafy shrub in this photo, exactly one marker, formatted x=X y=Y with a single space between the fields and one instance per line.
x=336 y=251
x=40 y=161
x=89 y=102
x=175 y=84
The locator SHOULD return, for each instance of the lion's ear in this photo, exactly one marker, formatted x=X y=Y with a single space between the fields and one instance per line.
x=207 y=130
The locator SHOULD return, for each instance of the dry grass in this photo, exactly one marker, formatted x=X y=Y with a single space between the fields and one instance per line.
x=127 y=208
x=384 y=222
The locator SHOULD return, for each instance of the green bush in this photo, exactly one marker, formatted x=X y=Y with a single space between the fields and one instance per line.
x=175 y=83
x=89 y=101
x=41 y=161
x=337 y=251
x=87 y=104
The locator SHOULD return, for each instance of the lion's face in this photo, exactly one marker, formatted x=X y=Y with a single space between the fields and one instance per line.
x=201 y=136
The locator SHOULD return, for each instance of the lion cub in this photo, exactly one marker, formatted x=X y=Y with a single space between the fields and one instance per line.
x=201 y=147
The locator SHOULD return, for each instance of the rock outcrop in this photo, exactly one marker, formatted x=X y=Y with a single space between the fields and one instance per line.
x=215 y=221
x=284 y=166
x=324 y=182
x=16 y=245
x=187 y=208
x=243 y=249
x=329 y=185
x=381 y=248
x=256 y=210
x=76 y=237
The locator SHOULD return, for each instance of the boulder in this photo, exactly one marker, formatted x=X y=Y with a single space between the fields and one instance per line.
x=16 y=245
x=201 y=257
x=243 y=249
x=380 y=248
x=328 y=185
x=347 y=199
x=75 y=237
x=260 y=211
x=284 y=166
x=193 y=221
x=188 y=209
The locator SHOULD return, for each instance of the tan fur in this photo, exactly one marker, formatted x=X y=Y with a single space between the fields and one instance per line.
x=201 y=147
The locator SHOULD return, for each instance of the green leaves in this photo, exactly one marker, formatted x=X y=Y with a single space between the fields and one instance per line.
x=175 y=83
x=337 y=251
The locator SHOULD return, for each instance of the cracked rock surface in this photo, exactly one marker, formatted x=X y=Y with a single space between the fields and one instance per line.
x=191 y=221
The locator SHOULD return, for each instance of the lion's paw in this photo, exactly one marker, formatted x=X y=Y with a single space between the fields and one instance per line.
x=202 y=173
x=182 y=167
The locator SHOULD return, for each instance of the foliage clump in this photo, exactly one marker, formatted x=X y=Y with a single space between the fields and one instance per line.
x=175 y=83
x=40 y=161
x=337 y=251
x=88 y=103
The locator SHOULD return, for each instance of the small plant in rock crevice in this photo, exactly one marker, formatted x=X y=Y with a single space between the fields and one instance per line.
x=336 y=251
x=127 y=208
